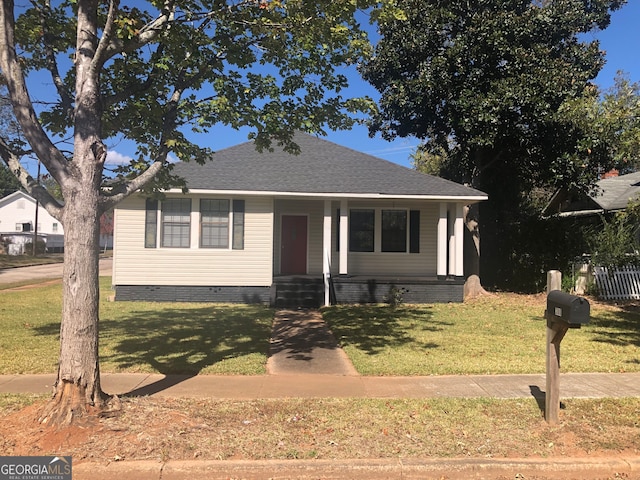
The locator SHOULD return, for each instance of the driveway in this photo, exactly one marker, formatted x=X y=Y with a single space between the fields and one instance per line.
x=39 y=273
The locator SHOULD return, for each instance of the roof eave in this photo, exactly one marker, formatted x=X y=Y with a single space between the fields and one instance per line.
x=450 y=198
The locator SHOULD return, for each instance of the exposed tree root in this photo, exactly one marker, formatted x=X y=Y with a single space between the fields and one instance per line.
x=473 y=288
x=70 y=405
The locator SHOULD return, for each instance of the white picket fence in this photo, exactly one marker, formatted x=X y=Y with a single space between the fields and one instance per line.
x=623 y=284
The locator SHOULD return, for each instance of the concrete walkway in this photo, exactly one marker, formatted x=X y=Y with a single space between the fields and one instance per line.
x=301 y=343
x=572 y=385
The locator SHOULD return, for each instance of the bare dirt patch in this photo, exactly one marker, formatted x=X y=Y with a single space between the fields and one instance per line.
x=181 y=429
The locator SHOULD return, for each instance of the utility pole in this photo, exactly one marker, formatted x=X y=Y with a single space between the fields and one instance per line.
x=35 y=228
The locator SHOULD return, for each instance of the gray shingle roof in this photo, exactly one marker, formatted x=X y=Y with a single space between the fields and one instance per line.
x=322 y=167
x=614 y=193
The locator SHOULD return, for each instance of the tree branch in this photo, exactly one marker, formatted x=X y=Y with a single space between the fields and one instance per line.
x=107 y=202
x=148 y=175
x=42 y=146
x=31 y=185
x=107 y=35
x=147 y=34
x=52 y=64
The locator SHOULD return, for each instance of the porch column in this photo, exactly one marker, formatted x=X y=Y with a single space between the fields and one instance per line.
x=326 y=250
x=344 y=237
x=459 y=240
x=442 y=241
x=451 y=232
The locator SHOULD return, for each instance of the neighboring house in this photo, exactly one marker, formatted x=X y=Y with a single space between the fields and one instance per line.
x=18 y=224
x=328 y=225
x=612 y=194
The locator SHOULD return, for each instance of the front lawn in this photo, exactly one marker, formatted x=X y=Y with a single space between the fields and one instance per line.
x=497 y=334
x=503 y=333
x=137 y=336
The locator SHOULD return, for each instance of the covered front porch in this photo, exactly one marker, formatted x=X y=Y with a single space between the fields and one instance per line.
x=309 y=290
x=354 y=250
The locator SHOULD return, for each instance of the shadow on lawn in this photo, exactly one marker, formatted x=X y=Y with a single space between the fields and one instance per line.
x=186 y=341
x=374 y=328
x=620 y=328
x=182 y=341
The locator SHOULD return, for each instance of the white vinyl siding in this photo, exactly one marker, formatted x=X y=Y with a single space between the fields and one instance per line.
x=136 y=265
x=380 y=263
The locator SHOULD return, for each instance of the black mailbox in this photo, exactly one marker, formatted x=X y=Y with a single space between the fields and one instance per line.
x=568 y=308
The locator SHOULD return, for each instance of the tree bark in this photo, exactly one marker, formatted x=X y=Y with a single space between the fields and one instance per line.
x=473 y=286
x=78 y=384
x=77 y=387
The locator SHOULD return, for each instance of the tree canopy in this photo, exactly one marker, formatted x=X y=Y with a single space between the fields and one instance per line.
x=484 y=84
x=8 y=181
x=152 y=73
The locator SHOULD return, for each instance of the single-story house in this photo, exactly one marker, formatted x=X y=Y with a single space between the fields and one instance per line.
x=18 y=214
x=328 y=225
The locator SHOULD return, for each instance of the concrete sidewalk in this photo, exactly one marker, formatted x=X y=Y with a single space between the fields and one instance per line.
x=581 y=385
x=572 y=385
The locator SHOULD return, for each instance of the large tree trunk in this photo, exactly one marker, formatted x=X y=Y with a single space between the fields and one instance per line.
x=78 y=383
x=472 y=286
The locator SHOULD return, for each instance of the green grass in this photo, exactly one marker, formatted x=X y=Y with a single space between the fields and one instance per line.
x=12 y=402
x=493 y=335
x=10 y=261
x=497 y=334
x=166 y=338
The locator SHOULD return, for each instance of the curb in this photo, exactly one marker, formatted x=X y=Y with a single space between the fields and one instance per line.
x=359 y=469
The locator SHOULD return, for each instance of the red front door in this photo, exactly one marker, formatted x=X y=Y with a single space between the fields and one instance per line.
x=293 y=249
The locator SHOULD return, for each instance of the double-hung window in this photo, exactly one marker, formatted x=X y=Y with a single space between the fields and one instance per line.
x=362 y=230
x=214 y=223
x=394 y=231
x=176 y=222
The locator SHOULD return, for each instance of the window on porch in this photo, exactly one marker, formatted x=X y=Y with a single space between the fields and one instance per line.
x=399 y=230
x=394 y=231
x=361 y=230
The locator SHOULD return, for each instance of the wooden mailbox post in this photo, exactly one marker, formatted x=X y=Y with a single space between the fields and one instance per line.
x=564 y=311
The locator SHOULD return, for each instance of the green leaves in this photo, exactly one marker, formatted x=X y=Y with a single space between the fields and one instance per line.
x=490 y=74
x=487 y=85
x=269 y=65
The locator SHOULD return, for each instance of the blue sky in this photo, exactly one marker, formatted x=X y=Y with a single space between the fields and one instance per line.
x=621 y=41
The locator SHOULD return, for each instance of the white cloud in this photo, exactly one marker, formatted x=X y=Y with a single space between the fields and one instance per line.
x=115 y=158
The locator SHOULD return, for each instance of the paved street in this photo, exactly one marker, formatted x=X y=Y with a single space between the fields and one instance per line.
x=41 y=273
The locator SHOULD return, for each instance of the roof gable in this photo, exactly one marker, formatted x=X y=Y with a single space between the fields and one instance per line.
x=322 y=167
x=17 y=195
